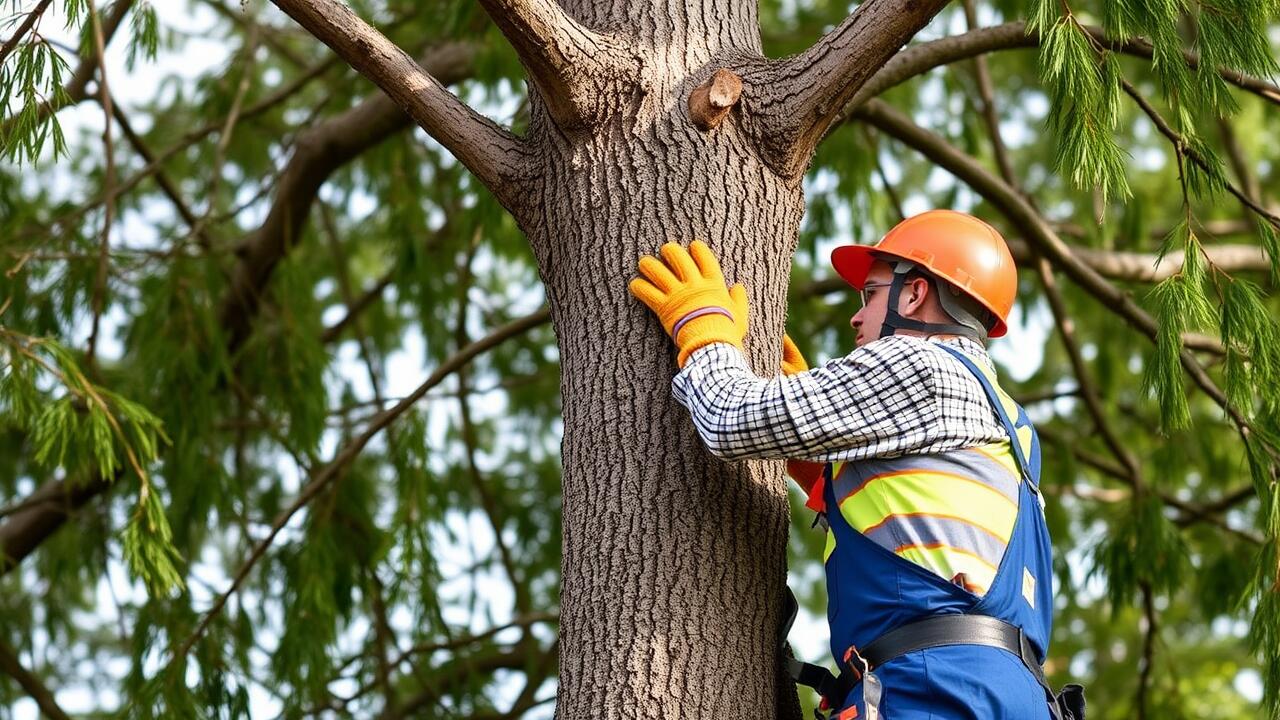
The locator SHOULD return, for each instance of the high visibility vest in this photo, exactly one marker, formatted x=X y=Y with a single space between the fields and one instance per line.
x=954 y=532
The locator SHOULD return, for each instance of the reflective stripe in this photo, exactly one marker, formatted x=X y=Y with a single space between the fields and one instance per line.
x=932 y=493
x=1001 y=453
x=919 y=529
x=950 y=562
x=973 y=465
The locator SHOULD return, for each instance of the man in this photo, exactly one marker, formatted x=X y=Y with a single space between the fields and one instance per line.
x=938 y=559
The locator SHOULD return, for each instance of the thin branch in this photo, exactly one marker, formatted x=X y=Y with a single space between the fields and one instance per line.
x=565 y=59
x=319 y=151
x=108 y=182
x=1189 y=513
x=458 y=671
x=1230 y=143
x=1183 y=148
x=162 y=180
x=76 y=89
x=270 y=35
x=249 y=51
x=488 y=150
x=986 y=92
x=10 y=665
x=487 y=502
x=1148 y=650
x=343 y=458
x=29 y=22
x=793 y=101
x=919 y=59
x=523 y=622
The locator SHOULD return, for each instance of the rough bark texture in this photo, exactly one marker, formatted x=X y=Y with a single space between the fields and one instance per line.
x=674 y=563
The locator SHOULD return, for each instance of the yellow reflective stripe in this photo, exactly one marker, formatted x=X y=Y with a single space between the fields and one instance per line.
x=831 y=546
x=933 y=493
x=949 y=561
x=1002 y=453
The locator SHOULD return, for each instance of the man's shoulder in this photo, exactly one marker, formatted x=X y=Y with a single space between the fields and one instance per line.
x=921 y=354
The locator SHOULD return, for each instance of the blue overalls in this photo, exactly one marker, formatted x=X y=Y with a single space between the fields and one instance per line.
x=872 y=591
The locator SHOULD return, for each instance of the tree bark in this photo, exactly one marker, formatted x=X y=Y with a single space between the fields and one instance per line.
x=674 y=563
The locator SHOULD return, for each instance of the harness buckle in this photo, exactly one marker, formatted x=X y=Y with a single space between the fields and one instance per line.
x=862 y=667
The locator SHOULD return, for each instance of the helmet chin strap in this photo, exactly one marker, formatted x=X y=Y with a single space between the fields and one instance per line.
x=966 y=324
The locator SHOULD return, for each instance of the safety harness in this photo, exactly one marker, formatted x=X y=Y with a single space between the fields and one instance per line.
x=921 y=635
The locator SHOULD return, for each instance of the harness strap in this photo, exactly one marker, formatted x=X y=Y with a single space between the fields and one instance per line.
x=832 y=688
x=930 y=632
x=942 y=630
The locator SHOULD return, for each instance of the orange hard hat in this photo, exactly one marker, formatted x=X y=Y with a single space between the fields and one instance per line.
x=954 y=246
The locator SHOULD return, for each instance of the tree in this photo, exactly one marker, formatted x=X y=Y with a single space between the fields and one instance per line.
x=237 y=305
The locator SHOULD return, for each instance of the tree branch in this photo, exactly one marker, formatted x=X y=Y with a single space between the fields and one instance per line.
x=10 y=666
x=919 y=59
x=793 y=101
x=1182 y=146
x=29 y=22
x=565 y=60
x=108 y=181
x=1131 y=266
x=320 y=150
x=486 y=149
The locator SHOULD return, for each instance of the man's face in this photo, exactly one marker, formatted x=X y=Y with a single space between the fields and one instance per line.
x=869 y=319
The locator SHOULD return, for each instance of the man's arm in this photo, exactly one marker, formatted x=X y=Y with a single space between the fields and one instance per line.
x=878 y=400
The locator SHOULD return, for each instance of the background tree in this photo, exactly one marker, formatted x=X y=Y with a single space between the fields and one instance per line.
x=220 y=291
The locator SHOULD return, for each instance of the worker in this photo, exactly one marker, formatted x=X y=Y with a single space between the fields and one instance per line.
x=926 y=473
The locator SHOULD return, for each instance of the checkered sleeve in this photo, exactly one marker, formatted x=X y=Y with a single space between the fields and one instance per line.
x=882 y=399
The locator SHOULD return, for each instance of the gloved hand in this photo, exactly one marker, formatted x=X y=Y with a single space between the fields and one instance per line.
x=691 y=300
x=792 y=361
x=805 y=473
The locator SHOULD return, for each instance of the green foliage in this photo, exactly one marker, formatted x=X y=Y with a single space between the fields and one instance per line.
x=145 y=33
x=1084 y=85
x=1143 y=549
x=32 y=75
x=1181 y=305
x=88 y=430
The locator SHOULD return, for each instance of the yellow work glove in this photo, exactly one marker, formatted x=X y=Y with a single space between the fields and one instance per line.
x=689 y=296
x=805 y=473
x=792 y=361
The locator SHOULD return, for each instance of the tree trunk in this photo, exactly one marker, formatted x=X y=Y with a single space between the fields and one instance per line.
x=674 y=562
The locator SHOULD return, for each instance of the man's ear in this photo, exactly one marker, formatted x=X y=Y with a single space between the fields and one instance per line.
x=919 y=291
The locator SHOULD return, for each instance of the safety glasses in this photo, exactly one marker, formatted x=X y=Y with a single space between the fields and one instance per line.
x=871 y=286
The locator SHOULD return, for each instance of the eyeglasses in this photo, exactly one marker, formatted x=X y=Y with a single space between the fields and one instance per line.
x=871 y=286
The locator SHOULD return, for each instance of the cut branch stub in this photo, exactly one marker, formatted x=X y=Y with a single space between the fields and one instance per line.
x=711 y=101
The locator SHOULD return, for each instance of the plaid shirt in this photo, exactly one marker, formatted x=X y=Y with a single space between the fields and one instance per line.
x=890 y=397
